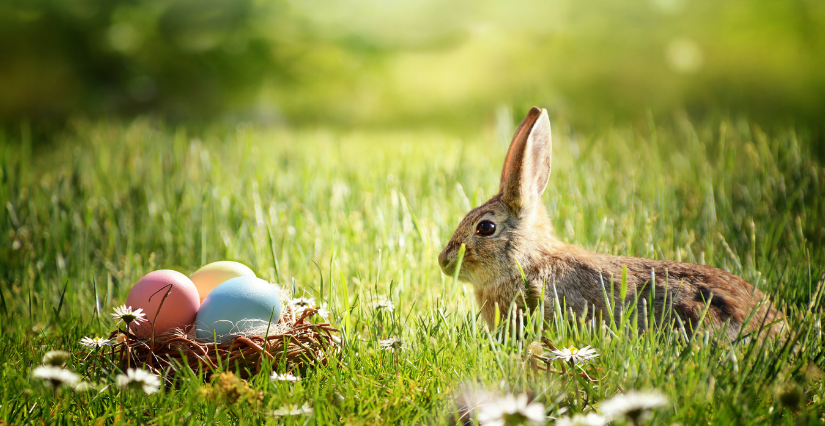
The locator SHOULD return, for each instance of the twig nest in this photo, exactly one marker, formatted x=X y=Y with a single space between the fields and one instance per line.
x=293 y=344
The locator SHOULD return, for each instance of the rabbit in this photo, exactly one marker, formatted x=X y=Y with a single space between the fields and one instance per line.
x=513 y=229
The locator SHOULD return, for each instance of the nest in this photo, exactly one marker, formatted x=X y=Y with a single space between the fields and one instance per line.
x=293 y=344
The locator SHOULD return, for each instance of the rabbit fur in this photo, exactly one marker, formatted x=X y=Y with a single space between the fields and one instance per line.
x=523 y=235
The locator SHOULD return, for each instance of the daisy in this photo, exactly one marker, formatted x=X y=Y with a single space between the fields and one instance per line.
x=392 y=344
x=95 y=342
x=469 y=400
x=285 y=377
x=634 y=405
x=86 y=387
x=589 y=419
x=575 y=355
x=299 y=304
x=127 y=315
x=535 y=349
x=139 y=379
x=385 y=304
x=511 y=410
x=55 y=377
x=56 y=358
x=323 y=312
x=292 y=410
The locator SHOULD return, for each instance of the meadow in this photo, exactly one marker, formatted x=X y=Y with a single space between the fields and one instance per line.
x=353 y=216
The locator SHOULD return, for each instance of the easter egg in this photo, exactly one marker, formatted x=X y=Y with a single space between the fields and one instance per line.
x=178 y=309
x=239 y=305
x=215 y=273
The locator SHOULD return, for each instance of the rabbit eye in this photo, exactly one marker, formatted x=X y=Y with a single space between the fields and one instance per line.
x=485 y=228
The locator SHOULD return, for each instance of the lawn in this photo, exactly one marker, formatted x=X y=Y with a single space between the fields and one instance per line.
x=351 y=217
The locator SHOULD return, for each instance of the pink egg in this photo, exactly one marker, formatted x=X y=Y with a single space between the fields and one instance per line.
x=178 y=310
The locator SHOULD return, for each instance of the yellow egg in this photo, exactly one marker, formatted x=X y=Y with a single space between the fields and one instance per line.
x=215 y=273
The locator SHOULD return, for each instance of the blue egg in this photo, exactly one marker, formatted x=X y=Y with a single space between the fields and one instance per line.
x=238 y=306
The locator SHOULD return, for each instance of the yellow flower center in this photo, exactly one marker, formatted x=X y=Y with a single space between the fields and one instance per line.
x=574 y=350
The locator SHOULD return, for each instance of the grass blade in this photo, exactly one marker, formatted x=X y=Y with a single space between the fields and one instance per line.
x=458 y=262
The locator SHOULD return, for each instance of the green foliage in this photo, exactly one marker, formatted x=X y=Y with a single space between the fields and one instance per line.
x=180 y=57
x=354 y=218
x=426 y=62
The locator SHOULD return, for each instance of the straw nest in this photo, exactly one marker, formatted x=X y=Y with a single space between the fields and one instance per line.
x=293 y=344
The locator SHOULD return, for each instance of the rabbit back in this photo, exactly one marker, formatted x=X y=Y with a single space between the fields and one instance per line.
x=590 y=283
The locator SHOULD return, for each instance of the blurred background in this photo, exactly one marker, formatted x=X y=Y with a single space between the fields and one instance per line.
x=411 y=63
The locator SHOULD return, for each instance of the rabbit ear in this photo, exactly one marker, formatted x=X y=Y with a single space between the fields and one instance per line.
x=527 y=165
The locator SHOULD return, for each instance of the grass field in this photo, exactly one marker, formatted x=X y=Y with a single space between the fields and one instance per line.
x=359 y=216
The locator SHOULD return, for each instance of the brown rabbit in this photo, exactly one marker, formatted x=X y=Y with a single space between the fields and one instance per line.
x=513 y=229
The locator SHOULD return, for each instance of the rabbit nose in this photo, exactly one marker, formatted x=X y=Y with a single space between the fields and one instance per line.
x=443 y=260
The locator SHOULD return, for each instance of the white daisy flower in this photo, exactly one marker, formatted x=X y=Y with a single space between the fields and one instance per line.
x=469 y=400
x=86 y=387
x=55 y=377
x=535 y=349
x=95 y=342
x=511 y=410
x=299 y=304
x=139 y=379
x=385 y=304
x=285 y=377
x=392 y=344
x=323 y=311
x=589 y=419
x=56 y=358
x=292 y=410
x=127 y=315
x=634 y=405
x=574 y=354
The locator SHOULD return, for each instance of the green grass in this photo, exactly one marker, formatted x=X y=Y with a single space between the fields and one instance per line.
x=359 y=216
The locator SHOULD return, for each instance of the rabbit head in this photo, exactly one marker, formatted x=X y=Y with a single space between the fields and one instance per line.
x=512 y=228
